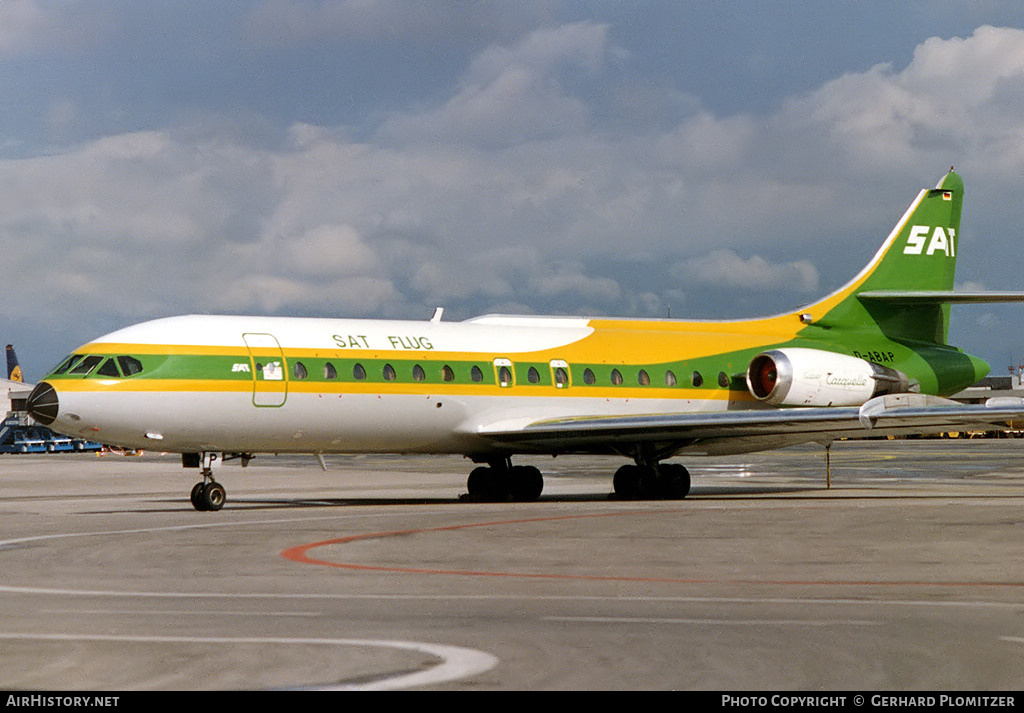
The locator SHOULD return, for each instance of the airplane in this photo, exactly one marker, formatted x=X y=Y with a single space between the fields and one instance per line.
x=869 y=359
x=14 y=381
x=13 y=368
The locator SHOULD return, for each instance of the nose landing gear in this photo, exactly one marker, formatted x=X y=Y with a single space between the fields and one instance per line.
x=207 y=494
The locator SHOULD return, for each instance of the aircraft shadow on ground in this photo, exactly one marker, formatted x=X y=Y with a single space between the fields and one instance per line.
x=255 y=503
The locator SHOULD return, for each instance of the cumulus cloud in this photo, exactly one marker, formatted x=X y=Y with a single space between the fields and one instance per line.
x=509 y=192
x=514 y=94
x=31 y=26
x=724 y=268
x=955 y=94
x=323 y=251
x=21 y=23
x=570 y=281
x=277 y=22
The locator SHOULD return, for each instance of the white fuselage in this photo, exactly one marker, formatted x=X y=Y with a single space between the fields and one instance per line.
x=267 y=408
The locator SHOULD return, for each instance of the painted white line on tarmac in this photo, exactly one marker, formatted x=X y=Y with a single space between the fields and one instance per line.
x=14 y=541
x=446 y=596
x=710 y=622
x=184 y=612
x=456 y=662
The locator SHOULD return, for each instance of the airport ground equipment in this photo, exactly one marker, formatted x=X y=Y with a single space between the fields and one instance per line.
x=19 y=435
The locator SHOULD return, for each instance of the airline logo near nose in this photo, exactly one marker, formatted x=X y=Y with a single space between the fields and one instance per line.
x=926 y=240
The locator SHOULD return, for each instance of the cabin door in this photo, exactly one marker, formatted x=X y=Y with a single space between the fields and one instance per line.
x=269 y=369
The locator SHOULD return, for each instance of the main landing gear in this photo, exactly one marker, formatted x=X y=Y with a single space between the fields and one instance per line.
x=657 y=481
x=501 y=481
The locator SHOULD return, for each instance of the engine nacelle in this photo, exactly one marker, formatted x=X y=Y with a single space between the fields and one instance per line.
x=812 y=377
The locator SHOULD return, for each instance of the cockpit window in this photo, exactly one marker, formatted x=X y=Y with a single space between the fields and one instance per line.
x=86 y=365
x=68 y=363
x=109 y=368
x=129 y=365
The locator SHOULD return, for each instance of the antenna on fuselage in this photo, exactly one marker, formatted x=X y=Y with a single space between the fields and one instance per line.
x=438 y=311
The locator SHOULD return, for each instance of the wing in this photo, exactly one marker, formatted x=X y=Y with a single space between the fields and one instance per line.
x=725 y=432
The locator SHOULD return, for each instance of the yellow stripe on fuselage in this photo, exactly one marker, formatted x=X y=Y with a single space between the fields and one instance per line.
x=341 y=388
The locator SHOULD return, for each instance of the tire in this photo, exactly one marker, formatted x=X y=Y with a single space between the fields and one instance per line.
x=674 y=481
x=480 y=484
x=527 y=483
x=198 y=501
x=214 y=496
x=626 y=482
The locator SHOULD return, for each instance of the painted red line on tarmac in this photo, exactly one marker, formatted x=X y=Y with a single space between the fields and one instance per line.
x=300 y=554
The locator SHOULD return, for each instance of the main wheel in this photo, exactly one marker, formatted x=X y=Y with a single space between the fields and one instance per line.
x=642 y=482
x=626 y=482
x=527 y=483
x=673 y=481
x=486 y=485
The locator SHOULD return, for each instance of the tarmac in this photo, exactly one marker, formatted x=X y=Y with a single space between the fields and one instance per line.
x=906 y=574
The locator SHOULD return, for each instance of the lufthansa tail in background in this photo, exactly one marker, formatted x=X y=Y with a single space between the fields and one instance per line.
x=872 y=358
x=13 y=368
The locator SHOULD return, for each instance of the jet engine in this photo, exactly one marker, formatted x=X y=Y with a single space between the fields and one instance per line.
x=812 y=377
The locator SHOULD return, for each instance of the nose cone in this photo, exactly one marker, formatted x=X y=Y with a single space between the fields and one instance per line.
x=43 y=404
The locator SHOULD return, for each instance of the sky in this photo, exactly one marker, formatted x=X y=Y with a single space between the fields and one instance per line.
x=380 y=158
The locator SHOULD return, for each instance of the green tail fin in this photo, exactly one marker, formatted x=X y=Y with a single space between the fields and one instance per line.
x=919 y=255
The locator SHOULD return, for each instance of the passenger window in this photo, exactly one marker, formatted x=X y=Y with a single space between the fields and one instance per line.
x=588 y=377
x=329 y=371
x=670 y=378
x=643 y=379
x=86 y=365
x=358 y=372
x=723 y=379
x=561 y=377
x=476 y=374
x=447 y=374
x=505 y=376
x=418 y=374
x=533 y=376
x=109 y=368
x=389 y=372
x=129 y=365
x=300 y=370
x=697 y=379
x=616 y=377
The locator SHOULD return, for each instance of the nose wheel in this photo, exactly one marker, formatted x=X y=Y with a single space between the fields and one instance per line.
x=208 y=496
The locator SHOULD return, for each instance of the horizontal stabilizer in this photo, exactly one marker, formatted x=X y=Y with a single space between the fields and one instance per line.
x=910 y=297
